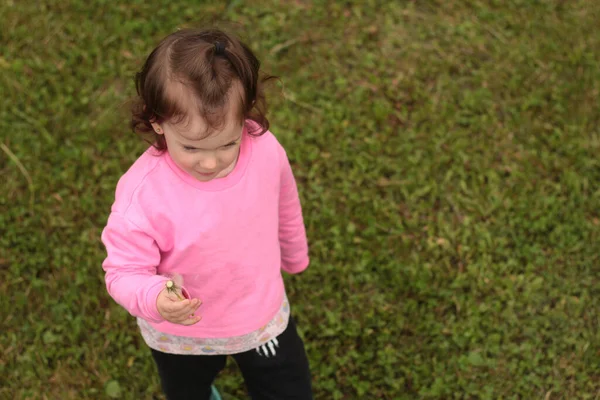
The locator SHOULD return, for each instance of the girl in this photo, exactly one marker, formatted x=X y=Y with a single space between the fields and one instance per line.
x=204 y=222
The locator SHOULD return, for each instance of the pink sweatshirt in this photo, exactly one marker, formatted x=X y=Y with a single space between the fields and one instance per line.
x=229 y=238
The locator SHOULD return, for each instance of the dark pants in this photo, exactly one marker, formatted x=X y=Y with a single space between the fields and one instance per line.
x=280 y=377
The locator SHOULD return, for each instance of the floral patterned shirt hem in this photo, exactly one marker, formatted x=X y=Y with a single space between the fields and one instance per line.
x=215 y=346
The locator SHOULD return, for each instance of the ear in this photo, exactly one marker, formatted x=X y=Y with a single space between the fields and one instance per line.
x=157 y=128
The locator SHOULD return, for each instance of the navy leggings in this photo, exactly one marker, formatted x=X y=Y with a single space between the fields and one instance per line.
x=282 y=376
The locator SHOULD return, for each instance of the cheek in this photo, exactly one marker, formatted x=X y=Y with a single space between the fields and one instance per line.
x=230 y=157
x=227 y=158
x=185 y=158
x=193 y=159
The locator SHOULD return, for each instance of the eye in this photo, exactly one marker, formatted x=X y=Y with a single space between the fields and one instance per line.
x=230 y=145
x=188 y=148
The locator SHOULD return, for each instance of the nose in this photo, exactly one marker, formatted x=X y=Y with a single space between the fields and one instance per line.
x=208 y=163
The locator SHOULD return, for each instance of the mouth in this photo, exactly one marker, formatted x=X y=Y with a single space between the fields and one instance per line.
x=206 y=173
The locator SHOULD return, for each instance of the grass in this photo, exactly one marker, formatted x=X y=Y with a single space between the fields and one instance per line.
x=447 y=157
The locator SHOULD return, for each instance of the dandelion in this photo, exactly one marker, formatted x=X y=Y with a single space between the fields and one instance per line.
x=173 y=288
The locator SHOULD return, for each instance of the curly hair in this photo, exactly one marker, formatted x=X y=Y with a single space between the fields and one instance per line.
x=211 y=64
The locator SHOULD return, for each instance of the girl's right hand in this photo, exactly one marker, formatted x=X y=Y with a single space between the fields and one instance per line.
x=177 y=311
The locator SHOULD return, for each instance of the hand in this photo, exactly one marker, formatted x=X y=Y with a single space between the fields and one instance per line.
x=177 y=311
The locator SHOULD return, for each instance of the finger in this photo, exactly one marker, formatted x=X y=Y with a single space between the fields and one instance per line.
x=191 y=320
x=176 y=306
x=176 y=295
x=186 y=309
x=195 y=310
x=172 y=297
x=194 y=305
x=186 y=317
x=197 y=307
x=185 y=320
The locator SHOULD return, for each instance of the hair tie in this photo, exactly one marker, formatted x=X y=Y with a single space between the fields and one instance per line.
x=219 y=48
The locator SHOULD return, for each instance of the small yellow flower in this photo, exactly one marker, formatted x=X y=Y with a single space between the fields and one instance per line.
x=172 y=288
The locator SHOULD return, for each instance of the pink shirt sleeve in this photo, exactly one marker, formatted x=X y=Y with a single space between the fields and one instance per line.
x=130 y=267
x=292 y=233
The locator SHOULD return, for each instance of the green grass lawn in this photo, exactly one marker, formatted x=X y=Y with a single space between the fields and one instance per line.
x=447 y=158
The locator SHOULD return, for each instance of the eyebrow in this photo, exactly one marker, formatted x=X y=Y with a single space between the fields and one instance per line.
x=228 y=143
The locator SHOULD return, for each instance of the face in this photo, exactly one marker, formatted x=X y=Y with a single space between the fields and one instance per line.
x=205 y=158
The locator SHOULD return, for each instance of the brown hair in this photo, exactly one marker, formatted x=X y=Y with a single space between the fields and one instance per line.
x=210 y=63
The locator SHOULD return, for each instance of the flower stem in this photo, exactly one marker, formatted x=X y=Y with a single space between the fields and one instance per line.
x=172 y=288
